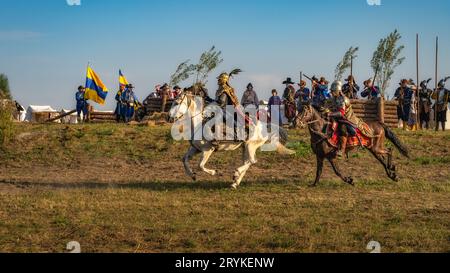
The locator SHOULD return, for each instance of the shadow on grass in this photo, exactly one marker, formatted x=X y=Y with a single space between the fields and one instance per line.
x=152 y=186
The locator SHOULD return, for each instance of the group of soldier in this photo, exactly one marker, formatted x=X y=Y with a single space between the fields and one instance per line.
x=127 y=103
x=319 y=94
x=410 y=103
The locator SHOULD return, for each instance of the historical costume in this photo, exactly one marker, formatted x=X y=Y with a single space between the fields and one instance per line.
x=413 y=108
x=226 y=96
x=425 y=103
x=303 y=95
x=347 y=129
x=370 y=92
x=290 y=109
x=165 y=95
x=176 y=92
x=442 y=98
x=120 y=107
x=129 y=99
x=250 y=97
x=82 y=105
x=350 y=89
x=275 y=103
x=321 y=93
x=403 y=95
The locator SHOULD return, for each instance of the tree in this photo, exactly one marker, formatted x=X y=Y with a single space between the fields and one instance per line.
x=209 y=60
x=386 y=59
x=345 y=63
x=5 y=92
x=184 y=71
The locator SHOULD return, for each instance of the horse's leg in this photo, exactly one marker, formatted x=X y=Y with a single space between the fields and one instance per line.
x=249 y=159
x=205 y=157
x=336 y=169
x=388 y=166
x=192 y=151
x=319 y=170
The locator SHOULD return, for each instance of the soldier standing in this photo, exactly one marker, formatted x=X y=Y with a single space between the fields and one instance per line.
x=403 y=95
x=425 y=103
x=441 y=103
x=82 y=105
x=303 y=95
x=370 y=92
x=120 y=107
x=129 y=99
x=350 y=89
x=321 y=93
x=250 y=97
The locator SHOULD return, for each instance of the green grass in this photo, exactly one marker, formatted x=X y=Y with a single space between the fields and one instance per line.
x=116 y=188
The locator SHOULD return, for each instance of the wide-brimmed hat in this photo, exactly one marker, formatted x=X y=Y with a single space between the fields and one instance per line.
x=366 y=82
x=302 y=83
x=350 y=79
x=322 y=79
x=404 y=81
x=288 y=81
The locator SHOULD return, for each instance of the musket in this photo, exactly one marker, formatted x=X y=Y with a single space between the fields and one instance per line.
x=350 y=84
x=312 y=86
x=375 y=77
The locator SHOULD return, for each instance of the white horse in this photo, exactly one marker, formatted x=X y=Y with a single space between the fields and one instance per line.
x=187 y=106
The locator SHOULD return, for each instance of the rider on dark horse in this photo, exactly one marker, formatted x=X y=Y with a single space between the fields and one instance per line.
x=346 y=126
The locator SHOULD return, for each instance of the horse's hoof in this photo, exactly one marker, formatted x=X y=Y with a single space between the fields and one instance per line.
x=349 y=180
x=234 y=186
x=194 y=178
x=313 y=185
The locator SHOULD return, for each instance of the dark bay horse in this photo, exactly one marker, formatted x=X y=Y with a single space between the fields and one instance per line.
x=319 y=142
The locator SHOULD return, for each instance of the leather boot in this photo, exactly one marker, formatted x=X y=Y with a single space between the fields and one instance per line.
x=342 y=146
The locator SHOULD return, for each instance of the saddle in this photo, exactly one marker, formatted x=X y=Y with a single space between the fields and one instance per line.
x=360 y=136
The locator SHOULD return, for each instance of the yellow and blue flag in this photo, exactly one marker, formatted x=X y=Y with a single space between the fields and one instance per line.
x=122 y=80
x=95 y=89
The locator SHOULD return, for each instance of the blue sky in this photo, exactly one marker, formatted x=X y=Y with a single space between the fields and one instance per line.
x=45 y=45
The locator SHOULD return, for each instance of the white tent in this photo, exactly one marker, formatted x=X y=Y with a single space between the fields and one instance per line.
x=40 y=113
x=70 y=119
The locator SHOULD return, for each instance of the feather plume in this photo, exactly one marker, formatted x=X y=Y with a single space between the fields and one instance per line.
x=235 y=72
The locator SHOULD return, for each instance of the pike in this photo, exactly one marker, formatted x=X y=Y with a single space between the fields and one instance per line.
x=436 y=85
x=417 y=84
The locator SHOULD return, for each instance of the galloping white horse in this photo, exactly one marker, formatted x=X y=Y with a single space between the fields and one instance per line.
x=186 y=105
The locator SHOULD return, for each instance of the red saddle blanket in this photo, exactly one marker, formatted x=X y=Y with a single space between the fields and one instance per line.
x=359 y=139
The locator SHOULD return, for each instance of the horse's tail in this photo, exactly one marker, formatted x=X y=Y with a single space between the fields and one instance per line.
x=395 y=140
x=282 y=140
x=284 y=136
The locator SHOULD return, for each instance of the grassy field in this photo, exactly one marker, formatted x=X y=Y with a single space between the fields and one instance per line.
x=117 y=188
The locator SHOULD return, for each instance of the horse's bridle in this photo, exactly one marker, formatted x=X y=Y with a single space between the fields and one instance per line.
x=189 y=103
x=303 y=116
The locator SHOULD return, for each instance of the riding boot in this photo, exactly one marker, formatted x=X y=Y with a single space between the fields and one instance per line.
x=342 y=146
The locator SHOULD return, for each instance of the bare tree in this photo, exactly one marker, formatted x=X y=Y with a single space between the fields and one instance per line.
x=345 y=63
x=386 y=59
